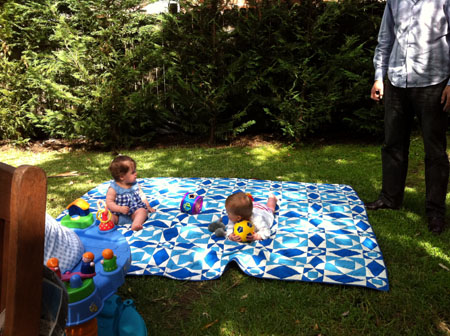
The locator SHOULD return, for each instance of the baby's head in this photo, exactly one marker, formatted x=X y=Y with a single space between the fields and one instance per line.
x=239 y=207
x=120 y=166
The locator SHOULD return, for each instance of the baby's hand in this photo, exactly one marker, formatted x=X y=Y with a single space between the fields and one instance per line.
x=124 y=210
x=150 y=209
x=255 y=236
x=235 y=237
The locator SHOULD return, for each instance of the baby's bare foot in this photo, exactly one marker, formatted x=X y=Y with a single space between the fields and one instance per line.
x=272 y=202
x=137 y=227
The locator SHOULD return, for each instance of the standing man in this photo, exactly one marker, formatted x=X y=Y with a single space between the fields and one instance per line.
x=414 y=52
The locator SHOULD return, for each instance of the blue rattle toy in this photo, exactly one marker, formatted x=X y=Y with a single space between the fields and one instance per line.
x=191 y=203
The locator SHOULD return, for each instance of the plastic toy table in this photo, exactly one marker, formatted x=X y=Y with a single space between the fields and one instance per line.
x=94 y=295
x=106 y=283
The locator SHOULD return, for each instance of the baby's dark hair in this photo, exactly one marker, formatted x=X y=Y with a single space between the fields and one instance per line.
x=118 y=166
x=240 y=205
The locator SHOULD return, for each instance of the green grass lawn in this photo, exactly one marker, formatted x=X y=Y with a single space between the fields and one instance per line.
x=418 y=262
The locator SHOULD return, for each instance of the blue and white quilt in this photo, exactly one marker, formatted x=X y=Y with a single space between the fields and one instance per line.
x=321 y=233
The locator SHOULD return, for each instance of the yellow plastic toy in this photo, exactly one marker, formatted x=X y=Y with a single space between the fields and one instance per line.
x=243 y=229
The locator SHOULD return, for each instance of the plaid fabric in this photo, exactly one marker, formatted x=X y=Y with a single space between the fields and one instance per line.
x=61 y=243
x=128 y=197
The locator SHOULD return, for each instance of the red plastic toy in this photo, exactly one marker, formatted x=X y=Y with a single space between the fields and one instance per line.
x=104 y=216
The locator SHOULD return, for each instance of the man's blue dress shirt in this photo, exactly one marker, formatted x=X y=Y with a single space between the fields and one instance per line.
x=413 y=43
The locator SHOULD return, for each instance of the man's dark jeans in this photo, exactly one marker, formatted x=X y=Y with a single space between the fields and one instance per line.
x=401 y=105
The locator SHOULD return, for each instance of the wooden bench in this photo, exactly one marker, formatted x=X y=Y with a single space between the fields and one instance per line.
x=23 y=193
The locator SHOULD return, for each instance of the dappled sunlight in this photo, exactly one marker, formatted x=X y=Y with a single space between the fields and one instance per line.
x=342 y=161
x=410 y=190
x=434 y=251
x=263 y=155
x=198 y=162
x=300 y=177
x=412 y=236
x=305 y=164
x=430 y=247
x=229 y=328
x=15 y=157
x=268 y=152
x=413 y=216
x=354 y=165
x=372 y=156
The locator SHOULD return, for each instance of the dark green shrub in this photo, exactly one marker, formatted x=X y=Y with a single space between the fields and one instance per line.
x=298 y=69
x=357 y=23
x=90 y=77
x=25 y=28
x=203 y=81
x=102 y=70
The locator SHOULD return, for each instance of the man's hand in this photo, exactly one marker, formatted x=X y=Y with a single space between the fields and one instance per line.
x=377 y=91
x=445 y=99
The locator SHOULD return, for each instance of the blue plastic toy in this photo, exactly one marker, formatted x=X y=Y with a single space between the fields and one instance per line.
x=120 y=318
x=105 y=283
x=191 y=203
x=92 y=295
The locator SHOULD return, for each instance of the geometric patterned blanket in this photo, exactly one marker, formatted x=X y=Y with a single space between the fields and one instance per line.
x=320 y=233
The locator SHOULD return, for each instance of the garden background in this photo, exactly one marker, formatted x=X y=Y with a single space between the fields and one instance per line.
x=104 y=71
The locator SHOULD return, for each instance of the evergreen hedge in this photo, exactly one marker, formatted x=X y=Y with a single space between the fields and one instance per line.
x=108 y=72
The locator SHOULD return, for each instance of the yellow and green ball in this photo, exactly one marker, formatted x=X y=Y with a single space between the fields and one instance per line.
x=243 y=229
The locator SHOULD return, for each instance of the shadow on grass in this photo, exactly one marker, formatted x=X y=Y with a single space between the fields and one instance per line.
x=240 y=304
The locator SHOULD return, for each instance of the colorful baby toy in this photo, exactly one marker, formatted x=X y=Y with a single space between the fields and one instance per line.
x=243 y=229
x=191 y=203
x=87 y=263
x=91 y=285
x=109 y=260
x=79 y=216
x=92 y=309
x=104 y=217
x=53 y=264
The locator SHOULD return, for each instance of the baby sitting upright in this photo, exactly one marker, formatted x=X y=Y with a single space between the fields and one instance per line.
x=124 y=197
